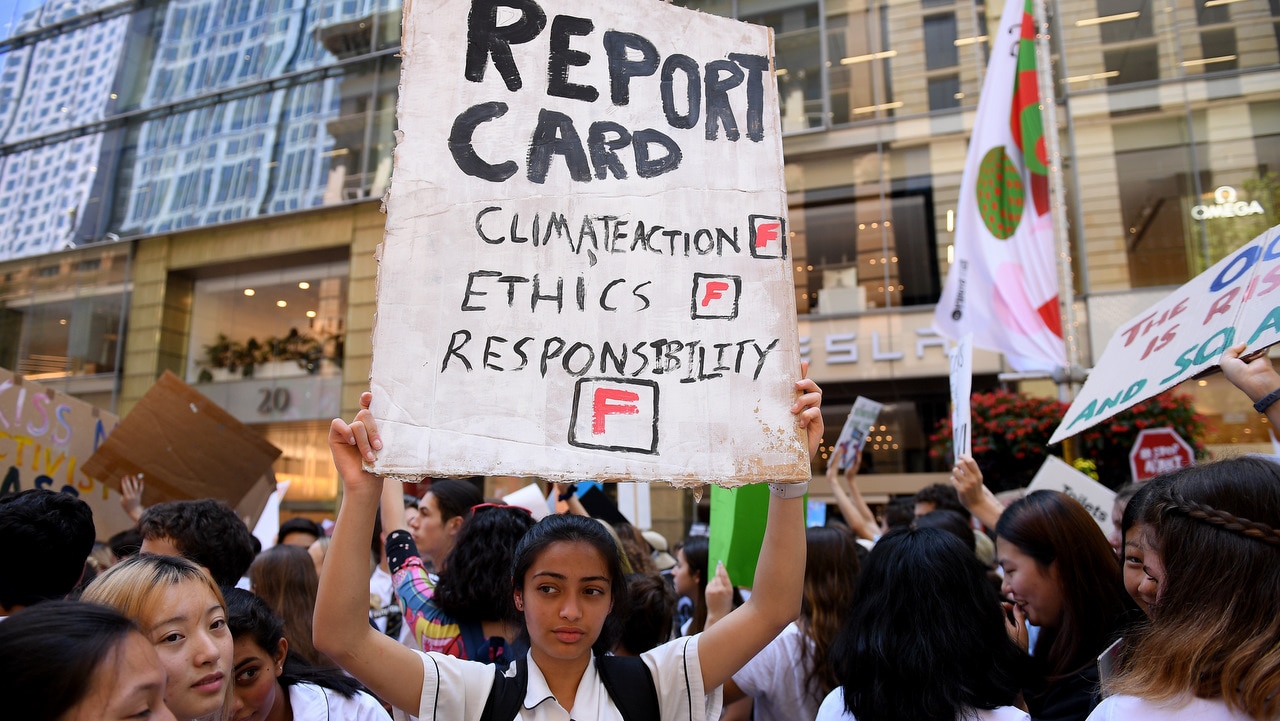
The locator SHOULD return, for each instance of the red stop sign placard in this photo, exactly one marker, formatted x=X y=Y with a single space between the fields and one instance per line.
x=1159 y=450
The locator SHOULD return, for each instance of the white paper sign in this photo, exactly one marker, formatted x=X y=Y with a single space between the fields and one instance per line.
x=586 y=270
x=1058 y=475
x=853 y=436
x=961 y=389
x=633 y=502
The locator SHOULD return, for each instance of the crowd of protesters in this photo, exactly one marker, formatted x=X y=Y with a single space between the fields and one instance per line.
x=942 y=606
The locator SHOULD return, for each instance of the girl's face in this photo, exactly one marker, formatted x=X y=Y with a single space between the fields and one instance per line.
x=566 y=596
x=1152 y=583
x=686 y=581
x=128 y=685
x=189 y=631
x=430 y=532
x=1036 y=589
x=1134 y=560
x=258 y=693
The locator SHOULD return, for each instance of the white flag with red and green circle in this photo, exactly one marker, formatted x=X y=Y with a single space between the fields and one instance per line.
x=1003 y=283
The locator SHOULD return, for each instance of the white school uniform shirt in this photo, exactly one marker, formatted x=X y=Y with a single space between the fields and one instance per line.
x=1132 y=708
x=456 y=690
x=314 y=703
x=833 y=709
x=775 y=678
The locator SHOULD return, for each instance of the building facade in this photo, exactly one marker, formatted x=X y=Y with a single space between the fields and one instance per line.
x=193 y=185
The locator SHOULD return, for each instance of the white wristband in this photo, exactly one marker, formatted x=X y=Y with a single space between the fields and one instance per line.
x=789 y=490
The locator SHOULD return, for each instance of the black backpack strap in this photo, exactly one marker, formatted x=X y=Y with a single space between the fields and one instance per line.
x=630 y=684
x=507 y=695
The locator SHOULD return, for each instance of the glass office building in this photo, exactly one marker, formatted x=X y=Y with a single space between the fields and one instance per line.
x=160 y=158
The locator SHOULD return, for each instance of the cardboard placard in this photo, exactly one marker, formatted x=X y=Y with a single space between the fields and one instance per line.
x=185 y=447
x=46 y=437
x=853 y=435
x=1058 y=475
x=1185 y=334
x=591 y=278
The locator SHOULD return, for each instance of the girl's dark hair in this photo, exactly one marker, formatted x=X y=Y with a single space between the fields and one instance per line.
x=696 y=550
x=636 y=548
x=653 y=608
x=923 y=604
x=569 y=528
x=474 y=585
x=249 y=615
x=830 y=577
x=1053 y=528
x=1136 y=506
x=455 y=497
x=954 y=523
x=49 y=652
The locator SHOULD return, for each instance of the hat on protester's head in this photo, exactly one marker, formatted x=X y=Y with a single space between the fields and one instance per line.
x=658 y=542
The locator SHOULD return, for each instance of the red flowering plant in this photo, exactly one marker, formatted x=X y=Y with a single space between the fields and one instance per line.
x=1108 y=444
x=1011 y=434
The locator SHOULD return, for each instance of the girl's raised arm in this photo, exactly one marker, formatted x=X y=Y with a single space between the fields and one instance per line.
x=341 y=624
x=775 y=601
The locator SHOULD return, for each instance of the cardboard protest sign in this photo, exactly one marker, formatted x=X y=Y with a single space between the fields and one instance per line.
x=853 y=435
x=586 y=270
x=1058 y=475
x=45 y=439
x=961 y=389
x=185 y=447
x=1184 y=334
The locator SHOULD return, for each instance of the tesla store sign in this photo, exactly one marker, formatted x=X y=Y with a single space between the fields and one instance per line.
x=882 y=347
x=1226 y=204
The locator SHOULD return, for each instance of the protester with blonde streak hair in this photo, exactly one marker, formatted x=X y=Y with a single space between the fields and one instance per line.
x=1212 y=650
x=180 y=610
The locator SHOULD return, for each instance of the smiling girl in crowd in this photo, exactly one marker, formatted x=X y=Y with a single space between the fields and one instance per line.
x=1212 y=649
x=180 y=611
x=567 y=579
x=1061 y=575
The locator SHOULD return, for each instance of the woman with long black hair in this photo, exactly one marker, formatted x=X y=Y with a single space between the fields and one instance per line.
x=926 y=638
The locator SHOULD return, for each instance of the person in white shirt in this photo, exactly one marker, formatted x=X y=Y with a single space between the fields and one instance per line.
x=926 y=639
x=567 y=578
x=791 y=676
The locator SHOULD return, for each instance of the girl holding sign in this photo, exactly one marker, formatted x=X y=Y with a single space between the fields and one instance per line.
x=566 y=581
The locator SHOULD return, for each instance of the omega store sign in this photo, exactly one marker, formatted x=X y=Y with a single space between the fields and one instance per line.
x=882 y=346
